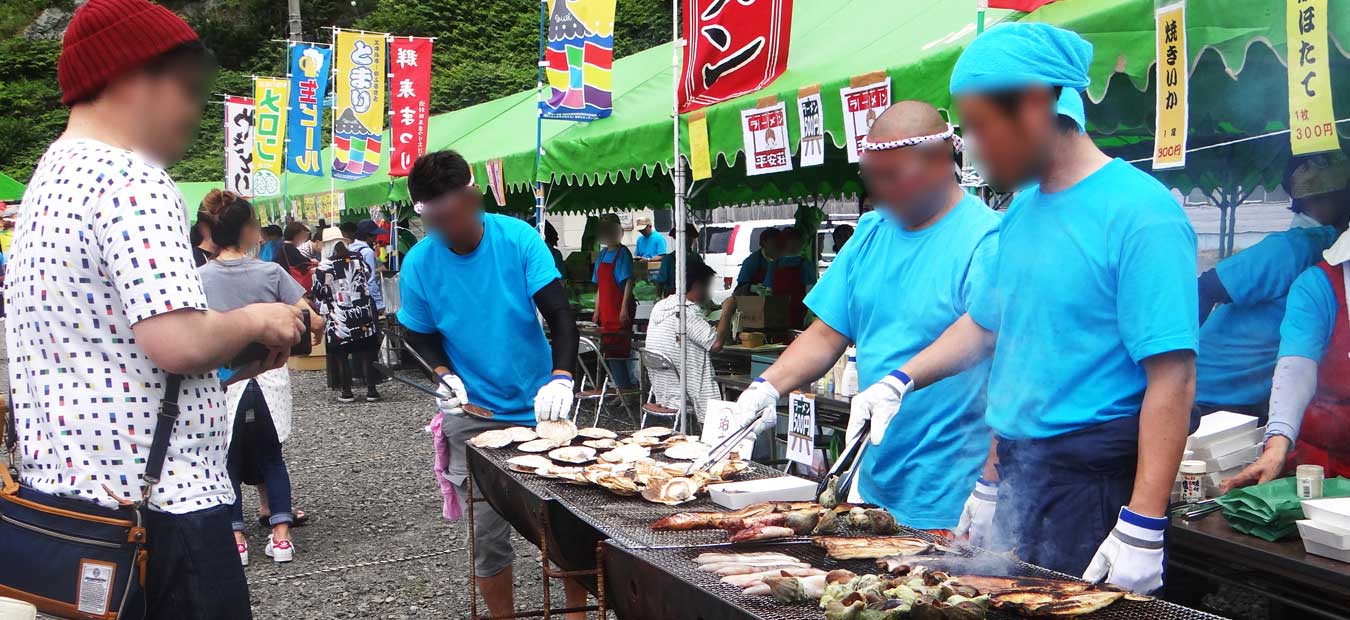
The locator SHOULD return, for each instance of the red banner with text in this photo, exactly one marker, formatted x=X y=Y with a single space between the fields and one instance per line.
x=734 y=47
x=409 y=101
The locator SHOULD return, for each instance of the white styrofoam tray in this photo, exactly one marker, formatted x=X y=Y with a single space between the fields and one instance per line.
x=1219 y=426
x=1239 y=458
x=1316 y=548
x=1231 y=444
x=1324 y=534
x=1333 y=511
x=736 y=495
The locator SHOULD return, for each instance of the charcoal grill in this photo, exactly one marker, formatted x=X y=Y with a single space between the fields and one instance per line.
x=666 y=583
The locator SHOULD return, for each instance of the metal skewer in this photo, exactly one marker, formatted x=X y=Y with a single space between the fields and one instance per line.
x=406 y=381
x=469 y=410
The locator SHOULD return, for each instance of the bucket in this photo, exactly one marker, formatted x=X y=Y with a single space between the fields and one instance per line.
x=11 y=609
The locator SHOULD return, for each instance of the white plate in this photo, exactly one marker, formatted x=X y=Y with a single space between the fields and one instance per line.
x=1333 y=511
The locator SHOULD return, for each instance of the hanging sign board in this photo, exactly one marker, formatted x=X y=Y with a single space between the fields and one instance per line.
x=239 y=145
x=801 y=436
x=358 y=87
x=811 y=116
x=1312 y=122
x=700 y=160
x=409 y=101
x=765 y=133
x=269 y=134
x=1173 y=107
x=863 y=103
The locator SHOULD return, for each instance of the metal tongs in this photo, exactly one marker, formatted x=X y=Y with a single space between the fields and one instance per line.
x=847 y=463
x=722 y=449
x=470 y=410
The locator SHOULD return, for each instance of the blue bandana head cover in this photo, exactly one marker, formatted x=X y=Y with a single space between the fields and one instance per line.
x=1015 y=55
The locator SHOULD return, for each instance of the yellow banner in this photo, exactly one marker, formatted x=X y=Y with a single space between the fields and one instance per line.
x=269 y=134
x=700 y=164
x=358 y=82
x=1169 y=135
x=1312 y=121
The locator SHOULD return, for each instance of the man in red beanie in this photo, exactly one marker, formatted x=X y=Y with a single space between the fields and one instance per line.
x=105 y=302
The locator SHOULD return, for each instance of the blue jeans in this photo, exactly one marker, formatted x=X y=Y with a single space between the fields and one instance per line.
x=255 y=457
x=621 y=371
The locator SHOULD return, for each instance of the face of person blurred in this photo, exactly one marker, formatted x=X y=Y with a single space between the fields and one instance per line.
x=611 y=234
x=1012 y=146
x=909 y=181
x=701 y=291
x=456 y=214
x=772 y=246
x=251 y=235
x=165 y=106
x=1330 y=209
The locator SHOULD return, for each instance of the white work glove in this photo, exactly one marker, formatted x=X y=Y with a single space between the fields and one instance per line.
x=554 y=400
x=453 y=396
x=977 y=517
x=758 y=402
x=1132 y=555
x=878 y=403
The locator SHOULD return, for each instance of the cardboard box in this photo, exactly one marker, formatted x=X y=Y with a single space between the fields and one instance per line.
x=770 y=312
x=316 y=360
x=737 y=495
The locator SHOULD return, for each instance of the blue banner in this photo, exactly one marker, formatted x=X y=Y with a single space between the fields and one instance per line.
x=304 y=119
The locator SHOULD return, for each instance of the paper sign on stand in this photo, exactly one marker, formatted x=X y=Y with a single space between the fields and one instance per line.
x=719 y=423
x=811 y=116
x=767 y=146
x=863 y=102
x=801 y=437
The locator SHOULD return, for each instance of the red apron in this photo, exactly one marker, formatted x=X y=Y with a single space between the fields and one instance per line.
x=787 y=282
x=1324 y=438
x=614 y=336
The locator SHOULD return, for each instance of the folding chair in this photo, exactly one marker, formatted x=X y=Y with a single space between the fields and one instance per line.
x=595 y=385
x=651 y=360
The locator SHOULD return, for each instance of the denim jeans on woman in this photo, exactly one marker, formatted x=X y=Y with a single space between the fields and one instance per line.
x=255 y=458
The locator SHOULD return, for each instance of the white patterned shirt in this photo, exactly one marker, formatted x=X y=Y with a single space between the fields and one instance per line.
x=101 y=243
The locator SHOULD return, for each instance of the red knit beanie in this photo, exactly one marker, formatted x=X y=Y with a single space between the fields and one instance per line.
x=108 y=38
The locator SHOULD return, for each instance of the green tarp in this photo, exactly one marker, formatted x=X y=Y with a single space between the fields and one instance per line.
x=10 y=190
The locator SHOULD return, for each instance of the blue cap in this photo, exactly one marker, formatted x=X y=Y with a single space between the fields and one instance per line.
x=1016 y=55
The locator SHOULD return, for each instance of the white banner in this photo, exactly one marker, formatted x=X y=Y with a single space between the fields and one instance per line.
x=767 y=146
x=862 y=105
x=239 y=145
x=801 y=436
x=812 y=117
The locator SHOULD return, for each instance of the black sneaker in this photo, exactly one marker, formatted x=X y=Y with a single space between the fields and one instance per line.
x=346 y=397
x=372 y=396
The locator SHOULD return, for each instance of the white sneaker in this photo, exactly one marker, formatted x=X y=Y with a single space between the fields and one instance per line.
x=279 y=551
x=242 y=547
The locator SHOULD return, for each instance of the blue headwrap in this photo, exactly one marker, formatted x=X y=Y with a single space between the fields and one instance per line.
x=1014 y=55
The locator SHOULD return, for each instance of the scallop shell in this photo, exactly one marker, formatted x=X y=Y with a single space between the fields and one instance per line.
x=495 y=438
x=560 y=472
x=671 y=491
x=687 y=451
x=641 y=440
x=653 y=431
x=618 y=485
x=625 y=454
x=596 y=432
x=573 y=454
x=560 y=431
x=537 y=445
x=527 y=463
x=601 y=444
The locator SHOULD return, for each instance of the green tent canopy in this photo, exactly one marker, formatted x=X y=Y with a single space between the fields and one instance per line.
x=10 y=190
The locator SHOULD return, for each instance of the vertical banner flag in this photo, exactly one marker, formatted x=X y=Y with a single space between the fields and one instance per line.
x=1173 y=106
x=269 y=137
x=409 y=102
x=811 y=116
x=1025 y=6
x=1312 y=122
x=700 y=160
x=733 y=47
x=801 y=437
x=579 y=58
x=864 y=101
x=239 y=145
x=767 y=147
x=496 y=183
x=358 y=88
x=304 y=132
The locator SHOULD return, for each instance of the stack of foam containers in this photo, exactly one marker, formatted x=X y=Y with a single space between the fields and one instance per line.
x=1226 y=442
x=1326 y=530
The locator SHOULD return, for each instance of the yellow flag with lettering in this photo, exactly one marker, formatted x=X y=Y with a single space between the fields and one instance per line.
x=1312 y=121
x=1169 y=136
x=700 y=163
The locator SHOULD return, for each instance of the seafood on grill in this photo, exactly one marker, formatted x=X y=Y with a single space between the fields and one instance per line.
x=601 y=444
x=745 y=557
x=742 y=570
x=560 y=431
x=520 y=434
x=873 y=547
x=645 y=441
x=495 y=438
x=653 y=431
x=1054 y=602
x=730 y=520
x=560 y=472
x=670 y=491
x=573 y=454
x=761 y=532
x=537 y=445
x=627 y=453
x=595 y=432
x=748 y=580
x=687 y=451
x=527 y=463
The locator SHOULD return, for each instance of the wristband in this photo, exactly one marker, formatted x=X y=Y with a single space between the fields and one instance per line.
x=557 y=376
x=1140 y=531
x=904 y=378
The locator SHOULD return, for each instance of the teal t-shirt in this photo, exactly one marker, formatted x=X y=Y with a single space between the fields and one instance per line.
x=1309 y=317
x=893 y=292
x=1089 y=282
x=482 y=305
x=1240 y=340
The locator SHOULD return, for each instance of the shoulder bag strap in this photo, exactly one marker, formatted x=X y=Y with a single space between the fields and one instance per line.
x=159 y=446
x=8 y=440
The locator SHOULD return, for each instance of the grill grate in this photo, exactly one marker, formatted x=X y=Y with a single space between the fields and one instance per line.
x=680 y=563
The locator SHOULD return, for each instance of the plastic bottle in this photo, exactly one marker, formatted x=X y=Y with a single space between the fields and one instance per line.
x=1192 y=481
x=850 y=379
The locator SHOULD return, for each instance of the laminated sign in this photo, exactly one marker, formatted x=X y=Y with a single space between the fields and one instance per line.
x=766 y=140
x=801 y=437
x=579 y=59
x=811 y=115
x=358 y=88
x=304 y=132
x=239 y=113
x=409 y=102
x=862 y=105
x=732 y=47
x=1169 y=136
x=1312 y=122
x=269 y=135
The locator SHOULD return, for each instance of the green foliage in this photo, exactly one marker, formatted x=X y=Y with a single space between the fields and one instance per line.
x=485 y=49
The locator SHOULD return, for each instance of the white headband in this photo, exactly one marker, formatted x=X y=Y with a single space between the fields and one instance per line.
x=949 y=134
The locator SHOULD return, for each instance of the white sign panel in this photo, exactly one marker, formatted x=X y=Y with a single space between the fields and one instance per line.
x=801 y=437
x=767 y=146
x=812 y=115
x=720 y=423
x=862 y=106
x=239 y=145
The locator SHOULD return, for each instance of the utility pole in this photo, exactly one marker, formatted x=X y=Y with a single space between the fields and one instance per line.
x=294 y=20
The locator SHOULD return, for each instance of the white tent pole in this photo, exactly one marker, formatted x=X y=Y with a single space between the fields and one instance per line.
x=681 y=217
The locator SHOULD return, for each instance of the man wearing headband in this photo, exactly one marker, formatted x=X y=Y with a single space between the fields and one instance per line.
x=911 y=269
x=1090 y=321
x=471 y=292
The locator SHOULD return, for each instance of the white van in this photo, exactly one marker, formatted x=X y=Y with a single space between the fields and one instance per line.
x=725 y=246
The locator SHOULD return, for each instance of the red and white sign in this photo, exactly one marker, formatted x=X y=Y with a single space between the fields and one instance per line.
x=862 y=105
x=409 y=101
x=733 y=47
x=239 y=114
x=766 y=140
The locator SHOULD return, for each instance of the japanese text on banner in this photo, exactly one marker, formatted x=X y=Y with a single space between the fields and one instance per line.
x=732 y=48
x=801 y=437
x=269 y=137
x=358 y=88
x=767 y=144
x=304 y=129
x=1173 y=107
x=1312 y=120
x=409 y=102
x=811 y=115
x=239 y=114
x=862 y=105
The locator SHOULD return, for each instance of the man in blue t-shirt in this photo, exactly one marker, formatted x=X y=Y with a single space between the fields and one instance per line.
x=650 y=244
x=910 y=271
x=1090 y=321
x=470 y=292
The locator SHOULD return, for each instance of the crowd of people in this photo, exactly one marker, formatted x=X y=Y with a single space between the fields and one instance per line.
x=1050 y=360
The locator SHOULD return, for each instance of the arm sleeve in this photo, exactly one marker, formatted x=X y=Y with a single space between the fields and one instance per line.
x=1309 y=317
x=1156 y=298
x=414 y=311
x=430 y=346
x=828 y=300
x=661 y=246
x=1292 y=388
x=1212 y=293
x=1265 y=271
x=551 y=300
x=143 y=245
x=700 y=332
x=981 y=271
x=749 y=269
x=623 y=266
